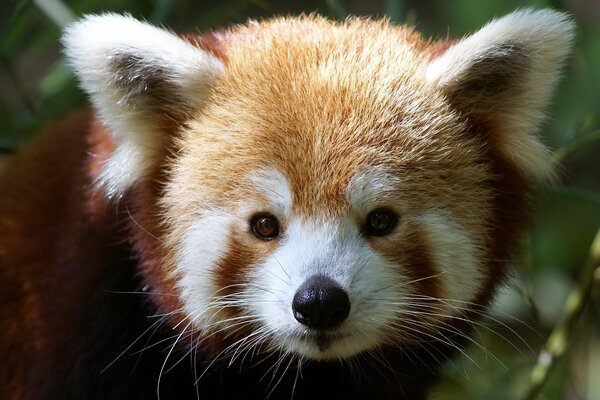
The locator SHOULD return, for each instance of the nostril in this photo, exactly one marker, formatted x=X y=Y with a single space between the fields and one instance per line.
x=306 y=305
x=320 y=303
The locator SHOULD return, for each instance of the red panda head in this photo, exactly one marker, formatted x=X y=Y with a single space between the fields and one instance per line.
x=326 y=188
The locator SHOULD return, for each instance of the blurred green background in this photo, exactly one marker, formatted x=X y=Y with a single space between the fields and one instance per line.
x=36 y=87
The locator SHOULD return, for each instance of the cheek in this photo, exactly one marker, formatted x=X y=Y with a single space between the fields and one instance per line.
x=440 y=258
x=202 y=245
x=415 y=262
x=269 y=297
x=231 y=273
x=458 y=257
x=212 y=264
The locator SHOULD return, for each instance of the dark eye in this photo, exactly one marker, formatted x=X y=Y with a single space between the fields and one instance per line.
x=380 y=222
x=265 y=226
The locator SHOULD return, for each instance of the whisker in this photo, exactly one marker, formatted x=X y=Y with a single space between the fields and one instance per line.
x=281 y=266
x=137 y=224
x=160 y=374
x=158 y=322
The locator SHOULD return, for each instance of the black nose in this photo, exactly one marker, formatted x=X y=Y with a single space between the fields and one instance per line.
x=320 y=303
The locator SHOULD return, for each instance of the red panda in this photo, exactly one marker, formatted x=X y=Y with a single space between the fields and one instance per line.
x=290 y=208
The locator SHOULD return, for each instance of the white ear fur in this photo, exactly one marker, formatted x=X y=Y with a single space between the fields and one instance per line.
x=507 y=71
x=137 y=76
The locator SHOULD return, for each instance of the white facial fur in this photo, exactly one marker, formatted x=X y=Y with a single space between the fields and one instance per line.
x=378 y=288
x=456 y=256
x=203 y=246
x=334 y=249
x=273 y=186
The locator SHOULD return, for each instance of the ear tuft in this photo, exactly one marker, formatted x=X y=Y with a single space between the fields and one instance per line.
x=139 y=78
x=505 y=73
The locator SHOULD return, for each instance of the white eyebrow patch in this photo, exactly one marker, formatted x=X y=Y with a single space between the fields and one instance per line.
x=274 y=187
x=369 y=187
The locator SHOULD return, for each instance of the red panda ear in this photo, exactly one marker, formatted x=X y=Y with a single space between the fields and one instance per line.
x=505 y=74
x=140 y=78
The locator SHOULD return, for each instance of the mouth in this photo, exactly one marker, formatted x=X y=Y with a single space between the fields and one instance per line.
x=327 y=345
x=322 y=343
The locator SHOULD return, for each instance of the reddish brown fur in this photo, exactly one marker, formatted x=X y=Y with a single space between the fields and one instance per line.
x=213 y=42
x=421 y=268
x=144 y=224
x=511 y=210
x=40 y=220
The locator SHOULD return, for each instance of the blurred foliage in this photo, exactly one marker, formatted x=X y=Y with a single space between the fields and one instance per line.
x=38 y=87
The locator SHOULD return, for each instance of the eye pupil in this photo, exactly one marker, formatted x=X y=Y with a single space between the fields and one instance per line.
x=265 y=227
x=380 y=222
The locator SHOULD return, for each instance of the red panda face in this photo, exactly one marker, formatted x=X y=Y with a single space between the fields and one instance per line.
x=379 y=198
x=324 y=286
x=335 y=188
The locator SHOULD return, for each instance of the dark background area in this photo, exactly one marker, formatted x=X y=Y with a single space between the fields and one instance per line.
x=36 y=87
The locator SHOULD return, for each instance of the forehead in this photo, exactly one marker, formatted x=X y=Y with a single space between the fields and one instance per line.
x=320 y=103
x=366 y=189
